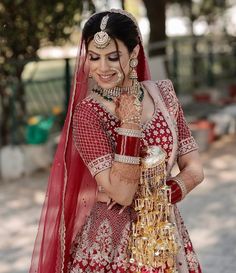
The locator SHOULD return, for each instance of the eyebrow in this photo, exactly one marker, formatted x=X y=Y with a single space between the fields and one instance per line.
x=91 y=51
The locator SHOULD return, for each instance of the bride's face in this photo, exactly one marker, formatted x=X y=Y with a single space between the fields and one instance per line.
x=109 y=66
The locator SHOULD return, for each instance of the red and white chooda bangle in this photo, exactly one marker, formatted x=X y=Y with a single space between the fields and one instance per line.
x=178 y=189
x=128 y=146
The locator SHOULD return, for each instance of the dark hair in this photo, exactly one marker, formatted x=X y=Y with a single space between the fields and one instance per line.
x=119 y=27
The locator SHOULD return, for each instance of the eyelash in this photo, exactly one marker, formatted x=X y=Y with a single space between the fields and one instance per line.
x=112 y=59
x=91 y=58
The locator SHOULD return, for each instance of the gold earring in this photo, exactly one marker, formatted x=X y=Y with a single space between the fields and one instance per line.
x=133 y=64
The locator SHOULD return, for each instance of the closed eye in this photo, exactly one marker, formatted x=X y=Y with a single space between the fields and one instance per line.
x=114 y=57
x=93 y=58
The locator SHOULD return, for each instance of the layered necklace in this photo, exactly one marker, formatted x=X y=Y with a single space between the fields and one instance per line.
x=110 y=94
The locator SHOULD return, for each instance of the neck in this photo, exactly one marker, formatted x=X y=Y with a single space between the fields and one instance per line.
x=111 y=93
x=129 y=86
x=126 y=83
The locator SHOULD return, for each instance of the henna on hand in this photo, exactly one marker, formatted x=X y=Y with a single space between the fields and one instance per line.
x=191 y=177
x=127 y=173
x=126 y=108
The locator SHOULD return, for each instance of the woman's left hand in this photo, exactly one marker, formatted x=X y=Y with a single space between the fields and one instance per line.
x=104 y=198
x=113 y=203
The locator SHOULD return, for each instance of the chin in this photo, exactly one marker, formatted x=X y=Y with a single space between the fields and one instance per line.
x=106 y=85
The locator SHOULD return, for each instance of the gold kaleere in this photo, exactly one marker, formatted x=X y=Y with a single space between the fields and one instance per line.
x=153 y=242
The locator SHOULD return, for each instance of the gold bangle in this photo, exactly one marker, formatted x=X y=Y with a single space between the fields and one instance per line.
x=135 y=120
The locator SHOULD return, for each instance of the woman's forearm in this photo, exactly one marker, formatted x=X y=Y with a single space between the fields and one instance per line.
x=190 y=175
x=125 y=175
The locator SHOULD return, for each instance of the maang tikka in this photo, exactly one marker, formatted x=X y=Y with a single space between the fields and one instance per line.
x=101 y=38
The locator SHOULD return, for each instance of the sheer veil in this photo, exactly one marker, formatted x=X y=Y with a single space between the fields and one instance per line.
x=71 y=189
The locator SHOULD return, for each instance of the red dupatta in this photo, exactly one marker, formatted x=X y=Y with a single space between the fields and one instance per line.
x=71 y=190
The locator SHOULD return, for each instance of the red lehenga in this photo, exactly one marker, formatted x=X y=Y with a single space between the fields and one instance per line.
x=102 y=245
x=75 y=233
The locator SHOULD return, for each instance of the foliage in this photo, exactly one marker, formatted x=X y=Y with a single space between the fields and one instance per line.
x=210 y=9
x=25 y=25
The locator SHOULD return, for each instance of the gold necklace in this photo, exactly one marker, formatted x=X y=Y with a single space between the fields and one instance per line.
x=110 y=94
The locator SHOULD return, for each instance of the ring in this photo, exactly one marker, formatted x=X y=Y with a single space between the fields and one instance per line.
x=101 y=189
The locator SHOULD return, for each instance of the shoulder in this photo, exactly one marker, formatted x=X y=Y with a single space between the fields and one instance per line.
x=85 y=110
x=87 y=105
x=166 y=88
x=168 y=94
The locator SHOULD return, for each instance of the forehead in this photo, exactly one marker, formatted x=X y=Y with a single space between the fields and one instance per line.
x=110 y=48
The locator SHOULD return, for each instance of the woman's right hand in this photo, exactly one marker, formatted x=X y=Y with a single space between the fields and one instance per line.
x=126 y=107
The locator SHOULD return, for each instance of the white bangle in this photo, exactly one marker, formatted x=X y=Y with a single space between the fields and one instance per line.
x=129 y=132
x=182 y=186
x=127 y=159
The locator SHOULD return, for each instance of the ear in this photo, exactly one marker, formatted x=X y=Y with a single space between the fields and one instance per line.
x=135 y=51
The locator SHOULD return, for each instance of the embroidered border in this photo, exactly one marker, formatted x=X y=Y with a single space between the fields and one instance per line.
x=186 y=245
x=187 y=145
x=169 y=96
x=99 y=164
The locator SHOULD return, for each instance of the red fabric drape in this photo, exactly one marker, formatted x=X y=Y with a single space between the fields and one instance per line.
x=71 y=189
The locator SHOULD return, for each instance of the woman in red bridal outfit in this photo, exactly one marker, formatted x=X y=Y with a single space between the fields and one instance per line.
x=115 y=112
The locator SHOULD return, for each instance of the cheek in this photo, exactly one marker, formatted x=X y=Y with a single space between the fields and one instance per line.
x=125 y=66
x=92 y=66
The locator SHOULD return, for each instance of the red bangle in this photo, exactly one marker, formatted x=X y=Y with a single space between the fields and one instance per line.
x=176 y=192
x=127 y=145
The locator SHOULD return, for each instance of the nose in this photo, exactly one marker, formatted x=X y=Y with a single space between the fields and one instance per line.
x=103 y=65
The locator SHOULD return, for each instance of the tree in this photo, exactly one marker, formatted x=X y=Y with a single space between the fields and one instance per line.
x=157 y=18
x=156 y=12
x=25 y=25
